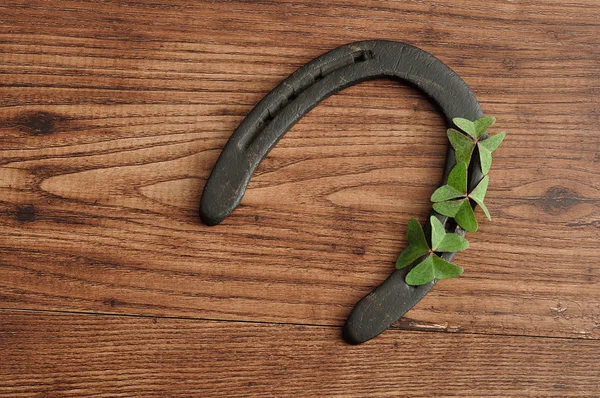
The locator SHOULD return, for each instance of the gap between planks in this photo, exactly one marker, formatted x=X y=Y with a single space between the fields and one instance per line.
x=410 y=324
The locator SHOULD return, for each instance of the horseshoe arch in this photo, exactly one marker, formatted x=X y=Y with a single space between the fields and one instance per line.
x=295 y=96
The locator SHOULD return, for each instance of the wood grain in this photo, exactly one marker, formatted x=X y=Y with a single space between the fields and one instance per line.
x=112 y=115
x=122 y=356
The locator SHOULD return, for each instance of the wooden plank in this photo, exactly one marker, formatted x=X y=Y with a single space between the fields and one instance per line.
x=75 y=355
x=112 y=117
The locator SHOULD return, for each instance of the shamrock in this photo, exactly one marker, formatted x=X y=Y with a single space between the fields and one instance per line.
x=452 y=199
x=465 y=144
x=432 y=266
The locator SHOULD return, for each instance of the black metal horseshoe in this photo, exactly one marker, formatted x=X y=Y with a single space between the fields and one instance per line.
x=279 y=110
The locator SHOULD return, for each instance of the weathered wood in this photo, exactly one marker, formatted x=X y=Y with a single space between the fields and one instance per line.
x=111 y=117
x=77 y=355
x=113 y=114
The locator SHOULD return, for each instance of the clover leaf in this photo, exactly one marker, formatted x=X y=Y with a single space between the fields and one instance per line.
x=453 y=200
x=464 y=144
x=431 y=266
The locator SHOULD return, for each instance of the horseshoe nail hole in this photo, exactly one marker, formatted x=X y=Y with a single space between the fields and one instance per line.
x=451 y=225
x=362 y=56
x=325 y=70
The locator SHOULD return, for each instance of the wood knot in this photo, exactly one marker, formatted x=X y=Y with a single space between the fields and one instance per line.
x=559 y=198
x=509 y=64
x=38 y=123
x=359 y=251
x=26 y=213
x=111 y=302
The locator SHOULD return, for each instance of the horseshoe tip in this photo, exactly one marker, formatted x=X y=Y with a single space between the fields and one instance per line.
x=209 y=219
x=211 y=211
x=351 y=335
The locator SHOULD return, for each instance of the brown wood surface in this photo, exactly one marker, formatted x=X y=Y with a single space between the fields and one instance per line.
x=127 y=356
x=113 y=113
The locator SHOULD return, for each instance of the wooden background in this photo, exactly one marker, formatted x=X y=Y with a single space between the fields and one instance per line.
x=112 y=115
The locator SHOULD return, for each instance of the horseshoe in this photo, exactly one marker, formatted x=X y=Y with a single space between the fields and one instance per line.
x=279 y=110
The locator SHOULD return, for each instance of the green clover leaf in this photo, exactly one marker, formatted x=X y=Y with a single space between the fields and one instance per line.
x=453 y=200
x=464 y=143
x=474 y=129
x=431 y=266
x=417 y=244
